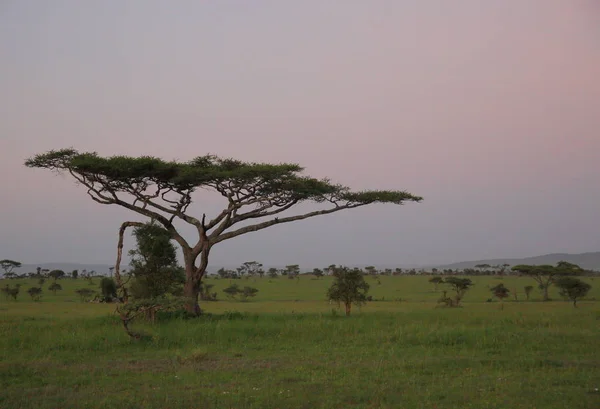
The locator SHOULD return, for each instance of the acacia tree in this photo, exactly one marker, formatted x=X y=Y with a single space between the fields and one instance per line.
x=9 y=265
x=251 y=269
x=349 y=287
x=256 y=197
x=436 y=281
x=500 y=292
x=572 y=288
x=546 y=275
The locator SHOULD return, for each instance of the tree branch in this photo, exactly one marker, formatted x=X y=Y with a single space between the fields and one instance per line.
x=264 y=225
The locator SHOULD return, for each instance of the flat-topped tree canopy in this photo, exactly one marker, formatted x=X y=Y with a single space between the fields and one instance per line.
x=162 y=190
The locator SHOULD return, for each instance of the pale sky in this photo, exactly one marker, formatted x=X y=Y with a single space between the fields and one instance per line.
x=490 y=110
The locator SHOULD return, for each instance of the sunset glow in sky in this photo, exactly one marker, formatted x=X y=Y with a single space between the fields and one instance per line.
x=490 y=110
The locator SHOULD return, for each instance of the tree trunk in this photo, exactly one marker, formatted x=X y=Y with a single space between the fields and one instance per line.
x=191 y=291
x=546 y=297
x=348 y=307
x=575 y=302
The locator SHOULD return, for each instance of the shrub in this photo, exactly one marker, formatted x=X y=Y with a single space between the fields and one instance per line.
x=35 y=293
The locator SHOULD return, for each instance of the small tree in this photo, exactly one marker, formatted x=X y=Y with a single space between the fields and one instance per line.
x=9 y=265
x=206 y=294
x=500 y=292
x=572 y=288
x=293 y=271
x=436 y=281
x=56 y=274
x=75 y=274
x=35 y=293
x=251 y=269
x=349 y=287
x=248 y=292
x=11 y=291
x=273 y=272
x=317 y=272
x=85 y=294
x=154 y=264
x=528 y=289
x=108 y=288
x=54 y=287
x=232 y=291
x=460 y=286
x=546 y=275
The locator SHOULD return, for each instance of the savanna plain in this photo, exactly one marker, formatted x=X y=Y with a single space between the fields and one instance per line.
x=290 y=348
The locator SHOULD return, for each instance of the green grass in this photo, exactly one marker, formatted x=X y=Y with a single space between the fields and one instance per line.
x=287 y=349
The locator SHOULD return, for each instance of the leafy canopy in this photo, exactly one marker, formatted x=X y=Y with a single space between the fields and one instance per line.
x=246 y=182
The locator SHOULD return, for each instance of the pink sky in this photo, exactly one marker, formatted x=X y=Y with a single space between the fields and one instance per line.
x=490 y=110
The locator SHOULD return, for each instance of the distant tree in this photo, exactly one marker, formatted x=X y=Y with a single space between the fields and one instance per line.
x=206 y=294
x=460 y=286
x=251 y=269
x=11 y=291
x=248 y=292
x=41 y=281
x=546 y=275
x=572 y=288
x=54 y=287
x=293 y=271
x=273 y=272
x=56 y=274
x=371 y=270
x=317 y=272
x=111 y=270
x=9 y=265
x=232 y=291
x=397 y=271
x=225 y=273
x=500 y=292
x=330 y=269
x=108 y=289
x=35 y=293
x=349 y=287
x=75 y=274
x=528 y=289
x=85 y=294
x=436 y=281
x=256 y=196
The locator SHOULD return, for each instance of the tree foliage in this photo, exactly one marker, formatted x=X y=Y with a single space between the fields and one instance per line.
x=108 y=289
x=500 y=292
x=9 y=265
x=54 y=287
x=56 y=274
x=546 y=275
x=256 y=195
x=436 y=281
x=35 y=293
x=154 y=263
x=572 y=288
x=349 y=287
x=460 y=286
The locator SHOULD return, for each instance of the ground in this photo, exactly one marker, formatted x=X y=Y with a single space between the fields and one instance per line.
x=289 y=348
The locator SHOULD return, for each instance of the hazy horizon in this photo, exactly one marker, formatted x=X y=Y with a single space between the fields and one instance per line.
x=490 y=111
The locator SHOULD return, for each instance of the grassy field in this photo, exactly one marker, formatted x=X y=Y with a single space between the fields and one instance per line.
x=288 y=348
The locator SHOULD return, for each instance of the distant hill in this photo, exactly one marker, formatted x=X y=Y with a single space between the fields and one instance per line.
x=589 y=261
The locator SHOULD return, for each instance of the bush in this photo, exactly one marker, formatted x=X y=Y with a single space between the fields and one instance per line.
x=108 y=288
x=85 y=294
x=35 y=293
x=54 y=287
